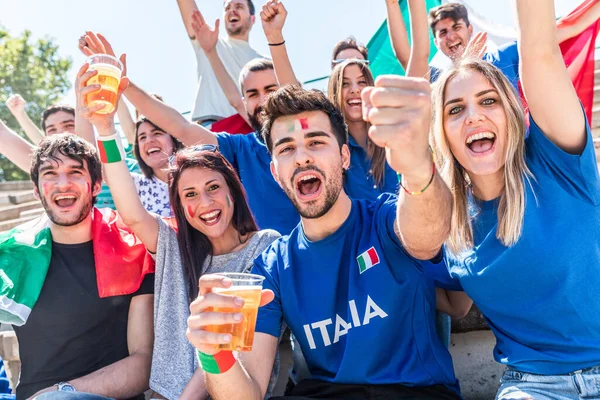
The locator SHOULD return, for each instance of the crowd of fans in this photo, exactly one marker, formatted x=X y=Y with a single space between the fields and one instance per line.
x=374 y=212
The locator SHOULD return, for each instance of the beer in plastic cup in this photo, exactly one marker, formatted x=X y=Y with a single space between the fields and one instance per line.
x=108 y=77
x=248 y=287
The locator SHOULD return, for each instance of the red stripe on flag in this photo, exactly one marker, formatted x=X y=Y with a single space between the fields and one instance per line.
x=373 y=256
x=102 y=152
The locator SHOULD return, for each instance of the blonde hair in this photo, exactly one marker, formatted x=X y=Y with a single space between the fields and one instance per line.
x=375 y=153
x=511 y=208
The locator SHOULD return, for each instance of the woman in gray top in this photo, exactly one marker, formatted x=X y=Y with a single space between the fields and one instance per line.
x=213 y=231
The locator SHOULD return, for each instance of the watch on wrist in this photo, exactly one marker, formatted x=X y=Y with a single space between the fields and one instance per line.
x=65 y=387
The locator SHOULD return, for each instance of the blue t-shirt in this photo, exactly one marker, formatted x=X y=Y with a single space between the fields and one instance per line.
x=269 y=203
x=505 y=58
x=540 y=296
x=359 y=182
x=361 y=308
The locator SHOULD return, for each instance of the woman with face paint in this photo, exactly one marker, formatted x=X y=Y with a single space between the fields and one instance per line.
x=214 y=231
x=524 y=238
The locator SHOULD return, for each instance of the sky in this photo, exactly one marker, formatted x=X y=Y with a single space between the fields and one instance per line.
x=159 y=55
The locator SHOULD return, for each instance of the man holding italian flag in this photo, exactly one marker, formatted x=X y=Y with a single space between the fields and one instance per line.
x=76 y=285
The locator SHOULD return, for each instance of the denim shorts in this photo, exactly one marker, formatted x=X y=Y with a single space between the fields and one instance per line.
x=582 y=384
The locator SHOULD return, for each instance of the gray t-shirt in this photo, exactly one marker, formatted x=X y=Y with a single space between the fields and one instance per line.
x=174 y=358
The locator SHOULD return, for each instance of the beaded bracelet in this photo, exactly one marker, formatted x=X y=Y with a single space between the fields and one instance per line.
x=218 y=363
x=110 y=148
x=428 y=183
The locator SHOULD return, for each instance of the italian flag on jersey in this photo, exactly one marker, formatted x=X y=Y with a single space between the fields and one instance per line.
x=368 y=259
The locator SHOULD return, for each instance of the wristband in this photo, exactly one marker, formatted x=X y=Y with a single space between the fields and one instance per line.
x=428 y=183
x=110 y=148
x=276 y=44
x=218 y=363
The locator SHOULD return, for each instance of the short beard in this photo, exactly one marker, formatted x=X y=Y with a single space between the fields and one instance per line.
x=239 y=31
x=333 y=188
x=254 y=123
x=83 y=214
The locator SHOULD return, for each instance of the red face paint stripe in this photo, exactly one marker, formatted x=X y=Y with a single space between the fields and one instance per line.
x=190 y=211
x=304 y=123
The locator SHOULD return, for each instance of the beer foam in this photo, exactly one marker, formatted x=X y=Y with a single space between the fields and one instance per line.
x=106 y=69
x=236 y=288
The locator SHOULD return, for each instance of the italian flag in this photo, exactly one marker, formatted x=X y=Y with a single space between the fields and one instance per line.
x=25 y=251
x=368 y=259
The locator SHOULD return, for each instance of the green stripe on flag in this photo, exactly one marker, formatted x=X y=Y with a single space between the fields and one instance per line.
x=382 y=57
x=25 y=253
x=362 y=266
x=208 y=363
x=112 y=150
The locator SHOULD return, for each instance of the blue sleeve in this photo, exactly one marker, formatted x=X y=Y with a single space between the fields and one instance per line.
x=434 y=73
x=270 y=316
x=437 y=270
x=577 y=174
x=230 y=146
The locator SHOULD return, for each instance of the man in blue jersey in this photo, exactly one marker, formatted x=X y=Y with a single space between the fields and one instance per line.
x=453 y=36
x=348 y=280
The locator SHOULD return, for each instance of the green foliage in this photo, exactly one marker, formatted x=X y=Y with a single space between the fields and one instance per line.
x=35 y=70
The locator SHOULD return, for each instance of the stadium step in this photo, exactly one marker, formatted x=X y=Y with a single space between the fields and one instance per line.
x=11 y=223
x=16 y=211
x=34 y=212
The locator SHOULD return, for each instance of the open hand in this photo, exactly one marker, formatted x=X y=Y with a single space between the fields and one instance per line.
x=399 y=110
x=477 y=46
x=201 y=314
x=273 y=15
x=95 y=43
x=206 y=37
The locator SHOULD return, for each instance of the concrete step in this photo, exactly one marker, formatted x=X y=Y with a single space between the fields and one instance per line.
x=34 y=212
x=14 y=211
x=21 y=197
x=16 y=185
x=6 y=225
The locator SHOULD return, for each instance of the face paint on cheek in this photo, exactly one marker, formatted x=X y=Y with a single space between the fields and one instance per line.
x=45 y=189
x=228 y=201
x=190 y=211
x=87 y=187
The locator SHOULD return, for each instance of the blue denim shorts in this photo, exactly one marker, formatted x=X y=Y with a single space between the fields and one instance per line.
x=582 y=384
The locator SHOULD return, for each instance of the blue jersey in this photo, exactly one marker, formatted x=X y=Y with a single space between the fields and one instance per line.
x=505 y=58
x=361 y=308
x=267 y=200
x=359 y=182
x=540 y=296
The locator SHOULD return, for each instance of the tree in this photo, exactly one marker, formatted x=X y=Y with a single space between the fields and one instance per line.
x=34 y=70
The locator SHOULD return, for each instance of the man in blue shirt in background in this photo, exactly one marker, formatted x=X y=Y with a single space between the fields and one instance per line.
x=348 y=280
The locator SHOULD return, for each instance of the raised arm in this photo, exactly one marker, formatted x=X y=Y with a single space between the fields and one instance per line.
x=15 y=148
x=399 y=110
x=207 y=39
x=418 y=64
x=187 y=8
x=248 y=378
x=455 y=304
x=16 y=105
x=126 y=121
x=116 y=173
x=567 y=30
x=158 y=112
x=273 y=15
x=398 y=32
x=556 y=108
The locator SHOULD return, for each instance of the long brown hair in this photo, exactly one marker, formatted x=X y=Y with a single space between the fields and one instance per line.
x=145 y=168
x=375 y=153
x=511 y=208
x=194 y=246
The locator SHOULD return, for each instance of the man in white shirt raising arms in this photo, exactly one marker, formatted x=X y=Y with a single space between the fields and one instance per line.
x=234 y=50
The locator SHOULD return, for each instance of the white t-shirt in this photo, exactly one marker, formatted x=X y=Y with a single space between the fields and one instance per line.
x=154 y=194
x=211 y=102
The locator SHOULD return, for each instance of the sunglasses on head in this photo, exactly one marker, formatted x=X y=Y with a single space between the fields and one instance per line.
x=202 y=147
x=339 y=61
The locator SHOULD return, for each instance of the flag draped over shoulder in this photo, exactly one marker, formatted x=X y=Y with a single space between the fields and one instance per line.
x=578 y=53
x=25 y=251
x=234 y=124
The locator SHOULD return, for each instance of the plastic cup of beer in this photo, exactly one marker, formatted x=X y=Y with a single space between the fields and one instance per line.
x=248 y=287
x=109 y=76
